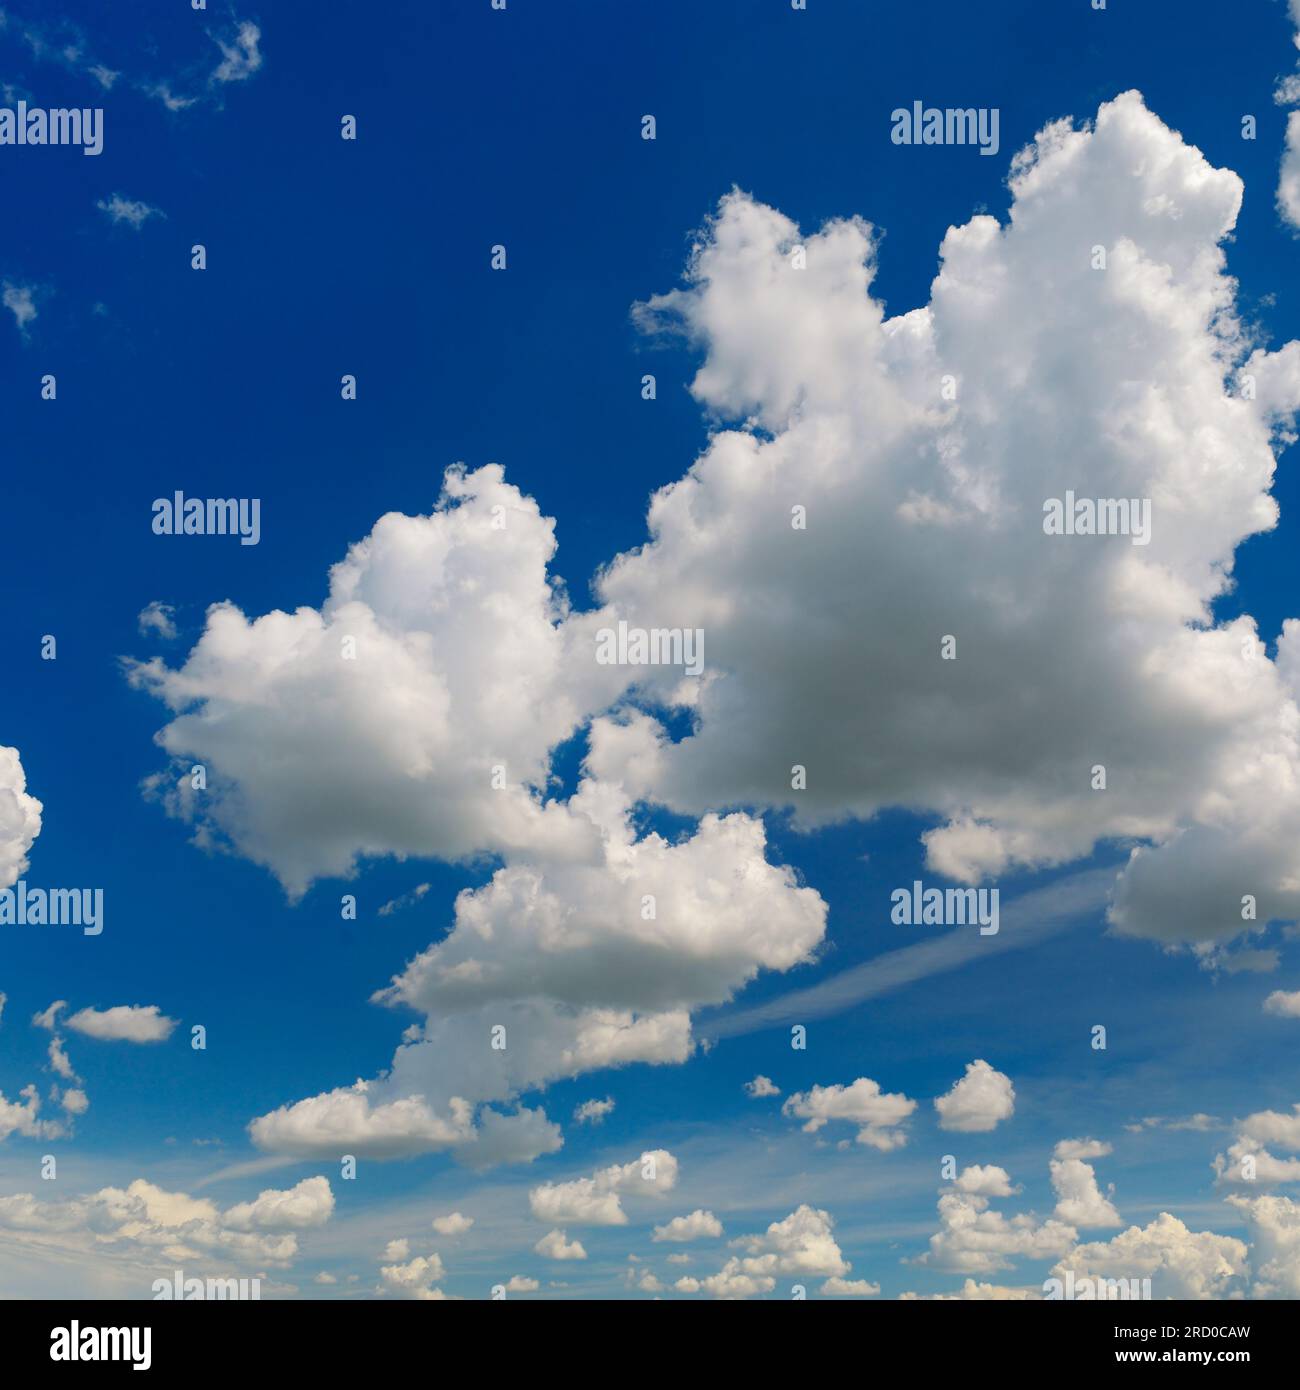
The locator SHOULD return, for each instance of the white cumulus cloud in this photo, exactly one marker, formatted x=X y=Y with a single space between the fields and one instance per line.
x=978 y=1101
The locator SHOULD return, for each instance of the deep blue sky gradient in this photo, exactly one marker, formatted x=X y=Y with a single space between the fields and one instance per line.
x=328 y=257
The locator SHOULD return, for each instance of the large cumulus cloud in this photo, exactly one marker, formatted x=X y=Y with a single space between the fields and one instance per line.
x=416 y=712
x=925 y=520
x=376 y=725
x=555 y=969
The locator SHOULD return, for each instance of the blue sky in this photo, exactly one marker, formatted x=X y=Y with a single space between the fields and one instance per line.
x=325 y=257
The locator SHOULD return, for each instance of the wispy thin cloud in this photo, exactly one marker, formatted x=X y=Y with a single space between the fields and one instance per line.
x=1030 y=919
x=133 y=211
x=253 y=1167
x=240 y=56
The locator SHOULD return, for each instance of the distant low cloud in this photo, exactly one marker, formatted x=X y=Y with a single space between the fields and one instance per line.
x=1082 y=1148
x=878 y=1114
x=1199 y=1121
x=985 y=1180
x=139 y=1222
x=698 y=1225
x=555 y=1245
x=802 y=1245
x=1285 y=1005
x=64 y=45
x=124 y=1023
x=597 y=1200
x=1079 y=1201
x=453 y=1224
x=415 y=1279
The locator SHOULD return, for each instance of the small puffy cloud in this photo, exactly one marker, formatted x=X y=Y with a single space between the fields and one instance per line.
x=48 y=1018
x=1249 y=1158
x=803 y=1245
x=1249 y=1163
x=554 y=1245
x=593 y=1111
x=159 y=618
x=760 y=1087
x=696 y=1226
x=1081 y=1148
x=397 y=1250
x=74 y=1101
x=20 y=818
x=972 y=1290
x=300 y=1208
x=978 y=1102
x=597 y=1201
x=1283 y=1004
x=137 y=1023
x=415 y=1279
x=59 y=1062
x=453 y=1224
x=520 y=1283
x=22 y=1117
x=324 y=1277
x=849 y=1288
x=129 y=210
x=877 y=1113
x=18 y=299
x=346 y=1121
x=974 y=1239
x=986 y=1180
x=1275 y=1127
x=1079 y=1200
